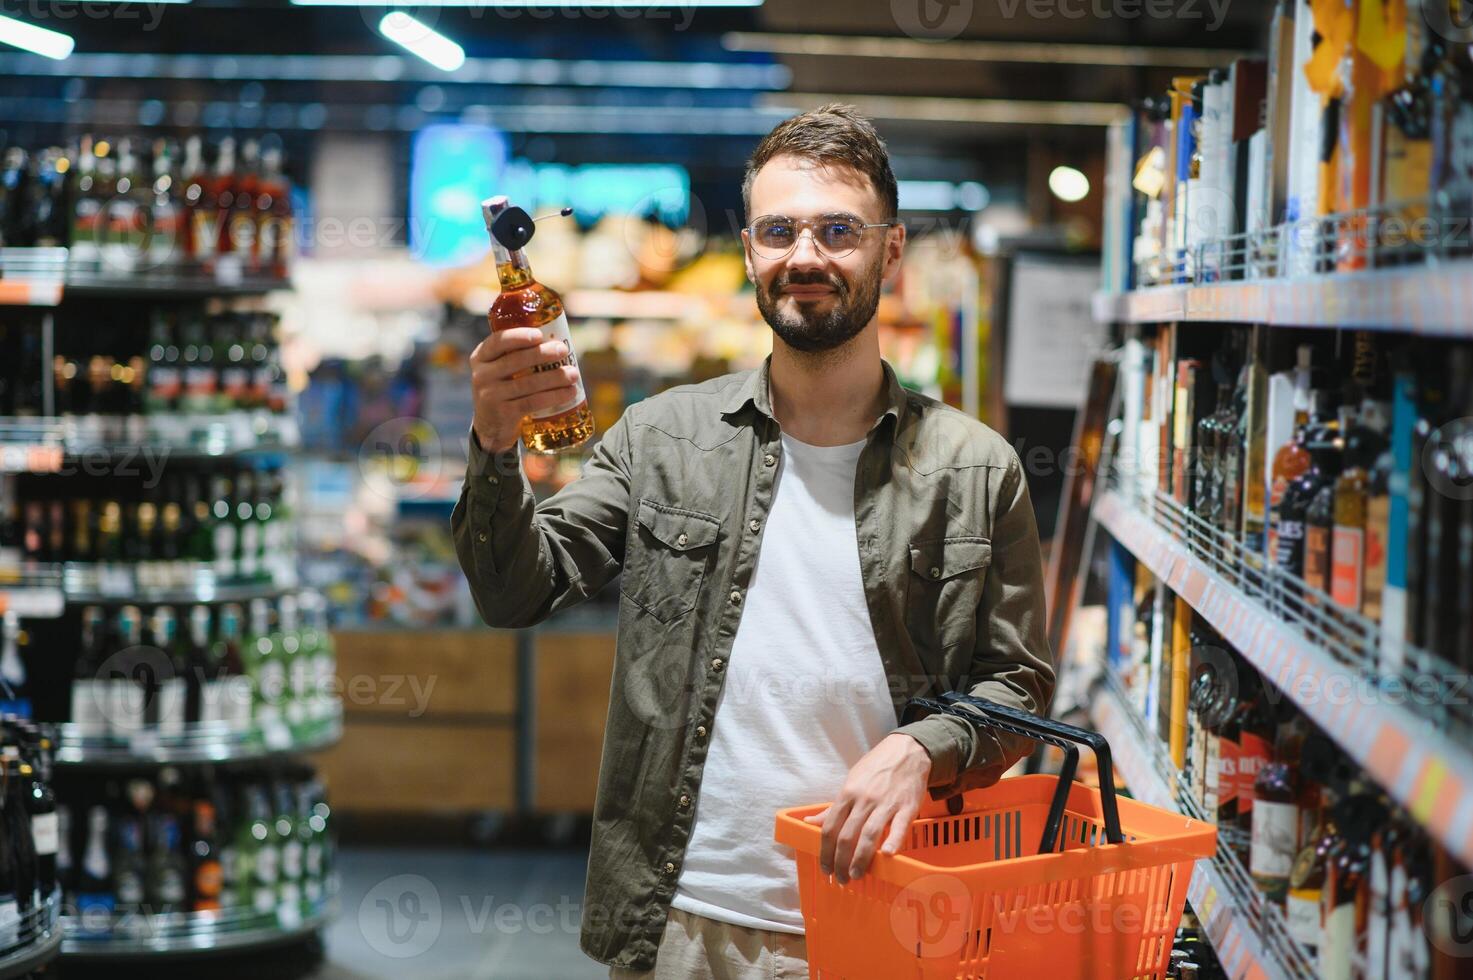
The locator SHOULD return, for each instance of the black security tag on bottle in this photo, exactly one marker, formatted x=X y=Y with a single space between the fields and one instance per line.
x=513 y=228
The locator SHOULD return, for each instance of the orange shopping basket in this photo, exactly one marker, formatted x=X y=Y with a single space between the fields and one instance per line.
x=1032 y=877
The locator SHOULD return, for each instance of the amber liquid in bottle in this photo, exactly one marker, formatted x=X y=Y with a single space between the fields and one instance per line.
x=525 y=302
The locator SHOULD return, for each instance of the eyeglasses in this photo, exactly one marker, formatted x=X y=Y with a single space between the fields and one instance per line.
x=836 y=235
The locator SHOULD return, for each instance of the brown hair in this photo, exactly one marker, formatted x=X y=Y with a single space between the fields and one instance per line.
x=831 y=134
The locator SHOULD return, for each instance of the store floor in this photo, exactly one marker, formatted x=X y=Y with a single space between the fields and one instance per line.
x=502 y=915
x=429 y=914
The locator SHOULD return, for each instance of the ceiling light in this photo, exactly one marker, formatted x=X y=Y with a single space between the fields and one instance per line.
x=1118 y=55
x=29 y=37
x=423 y=40
x=1068 y=184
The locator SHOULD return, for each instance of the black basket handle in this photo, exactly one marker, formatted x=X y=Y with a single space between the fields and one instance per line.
x=980 y=711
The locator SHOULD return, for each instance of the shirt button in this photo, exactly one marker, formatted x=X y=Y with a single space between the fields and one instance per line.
x=684 y=801
x=736 y=597
x=481 y=536
x=493 y=479
x=680 y=541
x=700 y=733
x=935 y=572
x=669 y=868
x=755 y=524
x=718 y=664
x=769 y=459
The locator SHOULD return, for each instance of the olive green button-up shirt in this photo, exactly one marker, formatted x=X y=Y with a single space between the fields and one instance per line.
x=675 y=495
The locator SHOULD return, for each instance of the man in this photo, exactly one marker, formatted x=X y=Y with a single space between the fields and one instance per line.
x=804 y=547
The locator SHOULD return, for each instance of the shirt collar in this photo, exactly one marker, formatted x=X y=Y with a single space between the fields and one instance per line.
x=756 y=391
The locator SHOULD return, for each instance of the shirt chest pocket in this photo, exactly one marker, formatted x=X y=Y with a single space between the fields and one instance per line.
x=669 y=555
x=943 y=588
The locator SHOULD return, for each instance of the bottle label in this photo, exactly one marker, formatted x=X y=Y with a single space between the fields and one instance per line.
x=273 y=684
x=200 y=381
x=90 y=706
x=1253 y=753
x=1378 y=517
x=224 y=537
x=250 y=548
x=170 y=887
x=128 y=704
x=291 y=859
x=164 y=382
x=1346 y=575
x=1275 y=839
x=1302 y=910
x=235 y=382
x=1338 y=948
x=209 y=880
x=173 y=698
x=1317 y=558
x=130 y=889
x=1227 y=772
x=237 y=699
x=1289 y=549
x=558 y=330
x=268 y=865
x=46 y=833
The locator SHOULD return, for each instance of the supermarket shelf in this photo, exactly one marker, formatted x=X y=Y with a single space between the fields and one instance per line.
x=193 y=933
x=42 y=929
x=1251 y=944
x=44 y=276
x=33 y=591
x=1410 y=753
x=43 y=445
x=1425 y=299
x=201 y=744
x=102 y=583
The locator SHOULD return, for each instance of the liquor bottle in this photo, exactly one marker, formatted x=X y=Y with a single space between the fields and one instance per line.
x=131 y=681
x=258 y=356
x=203 y=705
x=222 y=195
x=1364 y=445
x=243 y=218
x=89 y=694
x=16 y=694
x=199 y=206
x=1275 y=824
x=130 y=865
x=274 y=215
x=237 y=693
x=96 y=897
x=171 y=539
x=88 y=198
x=199 y=534
x=175 y=693
x=264 y=665
x=9 y=886
x=318 y=647
x=22 y=839
x=268 y=531
x=235 y=370
x=165 y=379
x=40 y=804
x=168 y=869
x=223 y=528
x=53 y=212
x=1256 y=722
x=1322 y=443
x=127 y=214
x=66 y=865
x=16 y=229
x=525 y=302
x=299 y=668
x=207 y=876
x=1407 y=125
x=292 y=850
x=1319 y=525
x=165 y=244
x=247 y=530
x=201 y=379
x=260 y=852
x=1291 y=459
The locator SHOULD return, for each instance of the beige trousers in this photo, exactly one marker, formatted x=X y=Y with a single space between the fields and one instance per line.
x=694 y=947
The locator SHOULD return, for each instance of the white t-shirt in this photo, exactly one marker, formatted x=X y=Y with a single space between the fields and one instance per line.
x=805 y=696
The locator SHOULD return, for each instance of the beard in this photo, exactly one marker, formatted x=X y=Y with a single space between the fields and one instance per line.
x=814 y=333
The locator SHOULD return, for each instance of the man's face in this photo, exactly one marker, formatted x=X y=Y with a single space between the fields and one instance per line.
x=815 y=301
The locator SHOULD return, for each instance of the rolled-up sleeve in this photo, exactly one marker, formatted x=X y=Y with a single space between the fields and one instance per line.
x=526 y=561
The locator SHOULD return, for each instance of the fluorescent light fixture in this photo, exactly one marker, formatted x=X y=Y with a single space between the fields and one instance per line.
x=997 y=112
x=1015 y=52
x=423 y=40
x=942 y=195
x=29 y=37
x=1068 y=184
x=686 y=4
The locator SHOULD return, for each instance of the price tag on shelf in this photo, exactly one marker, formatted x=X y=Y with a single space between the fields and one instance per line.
x=145 y=742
